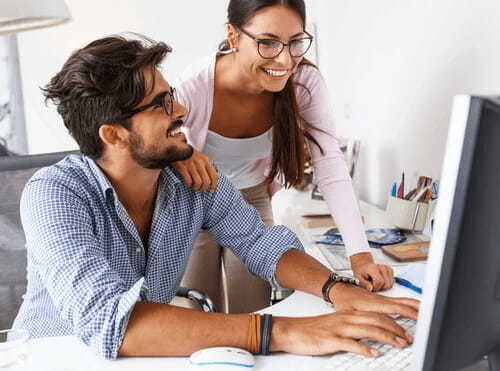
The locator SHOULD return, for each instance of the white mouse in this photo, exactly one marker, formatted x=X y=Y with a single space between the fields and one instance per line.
x=221 y=358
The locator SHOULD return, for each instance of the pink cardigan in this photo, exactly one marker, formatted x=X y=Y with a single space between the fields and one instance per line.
x=195 y=88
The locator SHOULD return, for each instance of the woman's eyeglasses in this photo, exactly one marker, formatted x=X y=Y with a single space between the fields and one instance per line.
x=271 y=48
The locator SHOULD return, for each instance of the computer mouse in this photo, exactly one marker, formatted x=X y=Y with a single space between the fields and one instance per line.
x=221 y=358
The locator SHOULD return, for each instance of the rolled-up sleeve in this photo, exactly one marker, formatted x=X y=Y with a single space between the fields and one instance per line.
x=237 y=225
x=86 y=291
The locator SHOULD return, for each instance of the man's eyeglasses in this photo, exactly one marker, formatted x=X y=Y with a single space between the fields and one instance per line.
x=271 y=48
x=164 y=99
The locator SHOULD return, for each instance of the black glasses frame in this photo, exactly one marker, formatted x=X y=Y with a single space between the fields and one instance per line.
x=164 y=99
x=260 y=41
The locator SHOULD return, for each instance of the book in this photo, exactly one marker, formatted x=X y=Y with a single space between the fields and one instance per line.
x=408 y=252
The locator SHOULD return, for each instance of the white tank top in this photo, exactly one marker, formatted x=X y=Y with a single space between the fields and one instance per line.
x=237 y=158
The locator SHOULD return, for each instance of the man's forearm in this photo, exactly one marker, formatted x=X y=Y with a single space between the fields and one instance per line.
x=299 y=271
x=166 y=330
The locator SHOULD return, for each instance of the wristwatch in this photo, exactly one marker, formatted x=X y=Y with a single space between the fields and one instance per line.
x=332 y=280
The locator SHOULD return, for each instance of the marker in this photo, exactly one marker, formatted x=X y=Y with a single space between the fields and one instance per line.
x=401 y=189
x=408 y=284
x=394 y=190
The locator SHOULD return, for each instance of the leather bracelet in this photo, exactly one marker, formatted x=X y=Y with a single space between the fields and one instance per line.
x=266 y=334
x=333 y=278
x=254 y=334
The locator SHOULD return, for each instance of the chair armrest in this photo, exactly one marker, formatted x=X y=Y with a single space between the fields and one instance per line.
x=206 y=304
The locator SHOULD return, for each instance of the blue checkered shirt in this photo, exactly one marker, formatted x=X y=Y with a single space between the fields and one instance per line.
x=87 y=265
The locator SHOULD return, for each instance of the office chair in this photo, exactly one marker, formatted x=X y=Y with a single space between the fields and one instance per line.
x=15 y=171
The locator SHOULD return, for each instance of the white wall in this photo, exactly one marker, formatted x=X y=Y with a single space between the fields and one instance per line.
x=193 y=28
x=393 y=67
x=5 y=123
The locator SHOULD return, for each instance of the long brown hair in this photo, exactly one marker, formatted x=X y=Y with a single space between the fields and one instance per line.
x=290 y=129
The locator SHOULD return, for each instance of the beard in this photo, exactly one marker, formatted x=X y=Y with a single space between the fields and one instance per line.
x=156 y=157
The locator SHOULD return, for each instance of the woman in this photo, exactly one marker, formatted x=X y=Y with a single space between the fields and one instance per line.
x=252 y=107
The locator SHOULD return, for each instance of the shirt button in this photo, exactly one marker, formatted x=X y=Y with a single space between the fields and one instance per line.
x=138 y=250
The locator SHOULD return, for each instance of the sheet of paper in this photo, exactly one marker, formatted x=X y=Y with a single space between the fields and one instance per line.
x=415 y=274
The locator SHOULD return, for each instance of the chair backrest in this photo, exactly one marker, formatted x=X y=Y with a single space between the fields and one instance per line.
x=15 y=171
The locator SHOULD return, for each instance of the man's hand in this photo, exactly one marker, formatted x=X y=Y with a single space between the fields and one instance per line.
x=336 y=332
x=346 y=297
x=198 y=172
x=371 y=276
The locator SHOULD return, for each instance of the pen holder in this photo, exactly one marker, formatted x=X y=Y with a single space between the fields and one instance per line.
x=409 y=215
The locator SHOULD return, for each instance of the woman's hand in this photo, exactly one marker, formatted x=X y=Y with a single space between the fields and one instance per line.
x=198 y=172
x=336 y=332
x=371 y=276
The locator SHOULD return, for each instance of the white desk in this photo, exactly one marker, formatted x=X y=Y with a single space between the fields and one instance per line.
x=67 y=353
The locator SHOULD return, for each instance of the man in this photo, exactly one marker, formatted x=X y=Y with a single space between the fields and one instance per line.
x=109 y=233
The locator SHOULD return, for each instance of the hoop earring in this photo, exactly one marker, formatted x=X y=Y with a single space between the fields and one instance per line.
x=224 y=52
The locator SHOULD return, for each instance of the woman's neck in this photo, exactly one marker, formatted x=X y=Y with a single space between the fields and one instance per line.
x=230 y=78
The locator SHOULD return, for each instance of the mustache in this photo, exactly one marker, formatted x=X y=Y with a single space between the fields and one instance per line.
x=176 y=124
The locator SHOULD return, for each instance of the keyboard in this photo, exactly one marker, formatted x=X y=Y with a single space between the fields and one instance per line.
x=392 y=358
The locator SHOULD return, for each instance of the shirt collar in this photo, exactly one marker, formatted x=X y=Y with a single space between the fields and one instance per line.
x=167 y=178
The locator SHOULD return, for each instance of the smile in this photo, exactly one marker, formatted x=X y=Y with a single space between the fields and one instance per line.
x=275 y=73
x=174 y=133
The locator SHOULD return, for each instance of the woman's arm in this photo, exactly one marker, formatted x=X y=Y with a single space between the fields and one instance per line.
x=332 y=176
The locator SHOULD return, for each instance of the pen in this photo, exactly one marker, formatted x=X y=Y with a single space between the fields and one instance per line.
x=401 y=189
x=417 y=196
x=435 y=190
x=394 y=190
x=407 y=284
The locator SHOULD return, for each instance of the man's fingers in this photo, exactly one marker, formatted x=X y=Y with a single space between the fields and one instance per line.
x=353 y=346
x=406 y=301
x=379 y=320
x=396 y=308
x=357 y=331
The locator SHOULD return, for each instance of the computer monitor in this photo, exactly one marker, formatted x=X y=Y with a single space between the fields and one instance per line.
x=459 y=320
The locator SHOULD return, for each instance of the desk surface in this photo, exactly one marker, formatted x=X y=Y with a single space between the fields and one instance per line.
x=63 y=353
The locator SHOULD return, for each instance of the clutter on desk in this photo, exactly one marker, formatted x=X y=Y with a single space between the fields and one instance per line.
x=376 y=237
x=316 y=193
x=410 y=210
x=338 y=260
x=408 y=252
x=317 y=221
x=413 y=278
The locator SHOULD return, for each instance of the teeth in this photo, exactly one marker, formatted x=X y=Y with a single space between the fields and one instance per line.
x=174 y=132
x=276 y=72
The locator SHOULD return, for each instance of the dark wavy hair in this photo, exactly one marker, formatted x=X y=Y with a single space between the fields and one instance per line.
x=99 y=83
x=289 y=127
